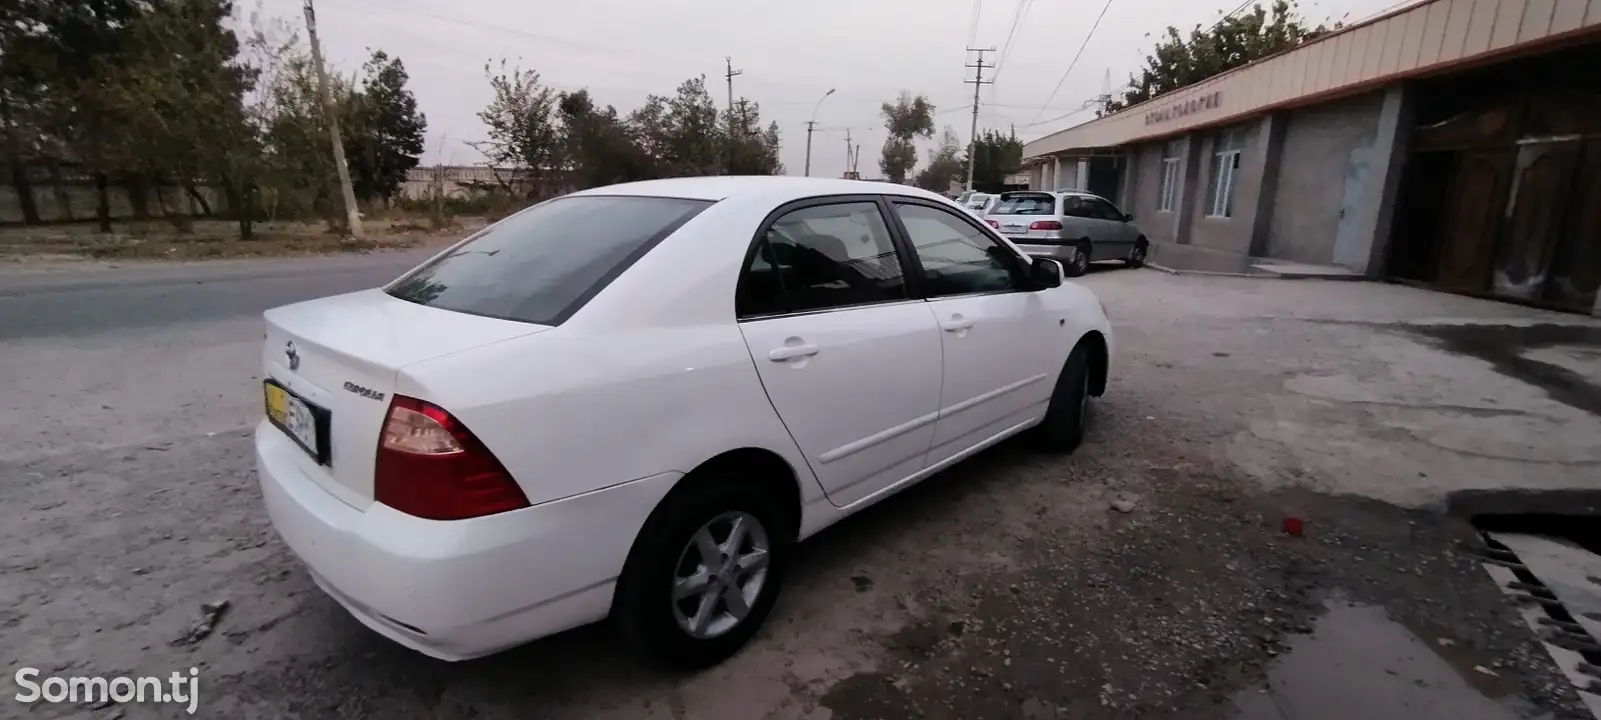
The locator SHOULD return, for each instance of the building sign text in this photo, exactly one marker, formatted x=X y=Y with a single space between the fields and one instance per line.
x=1194 y=105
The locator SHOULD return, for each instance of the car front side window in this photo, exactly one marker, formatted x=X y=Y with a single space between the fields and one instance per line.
x=820 y=257
x=957 y=258
x=1106 y=210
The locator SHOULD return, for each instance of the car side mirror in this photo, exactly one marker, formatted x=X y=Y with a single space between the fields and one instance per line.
x=1046 y=272
x=1128 y=217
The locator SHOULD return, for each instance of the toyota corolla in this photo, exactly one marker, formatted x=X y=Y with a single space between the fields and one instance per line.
x=632 y=401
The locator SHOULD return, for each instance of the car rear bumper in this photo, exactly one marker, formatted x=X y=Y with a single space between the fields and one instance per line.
x=1059 y=252
x=460 y=589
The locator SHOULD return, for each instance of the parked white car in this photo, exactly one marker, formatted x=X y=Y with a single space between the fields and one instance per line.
x=1074 y=227
x=632 y=401
x=979 y=204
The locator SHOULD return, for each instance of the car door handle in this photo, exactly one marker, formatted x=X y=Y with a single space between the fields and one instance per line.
x=957 y=324
x=790 y=352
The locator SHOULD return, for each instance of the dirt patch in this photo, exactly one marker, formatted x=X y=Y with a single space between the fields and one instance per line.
x=1185 y=604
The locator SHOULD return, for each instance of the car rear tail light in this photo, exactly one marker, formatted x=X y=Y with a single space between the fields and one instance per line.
x=1045 y=225
x=994 y=224
x=431 y=466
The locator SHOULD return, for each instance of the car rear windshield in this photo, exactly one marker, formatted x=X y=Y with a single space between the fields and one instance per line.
x=544 y=263
x=1032 y=204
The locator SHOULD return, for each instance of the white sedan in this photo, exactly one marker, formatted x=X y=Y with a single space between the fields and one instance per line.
x=633 y=401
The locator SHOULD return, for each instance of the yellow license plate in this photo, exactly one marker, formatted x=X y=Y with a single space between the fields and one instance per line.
x=297 y=418
x=277 y=403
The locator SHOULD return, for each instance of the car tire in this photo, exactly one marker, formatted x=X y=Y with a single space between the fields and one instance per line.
x=646 y=608
x=1136 y=256
x=1062 y=430
x=1080 y=263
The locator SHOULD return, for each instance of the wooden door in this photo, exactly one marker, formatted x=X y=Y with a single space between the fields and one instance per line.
x=1473 y=212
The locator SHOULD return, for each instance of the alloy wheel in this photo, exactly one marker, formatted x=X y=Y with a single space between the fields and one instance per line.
x=720 y=575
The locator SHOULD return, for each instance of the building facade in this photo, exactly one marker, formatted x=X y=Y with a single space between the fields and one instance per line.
x=1453 y=143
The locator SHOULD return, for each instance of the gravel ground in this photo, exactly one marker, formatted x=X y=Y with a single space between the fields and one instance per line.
x=1146 y=575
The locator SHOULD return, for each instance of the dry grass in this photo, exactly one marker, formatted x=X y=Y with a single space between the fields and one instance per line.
x=217 y=239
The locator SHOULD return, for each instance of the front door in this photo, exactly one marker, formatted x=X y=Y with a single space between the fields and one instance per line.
x=849 y=359
x=993 y=330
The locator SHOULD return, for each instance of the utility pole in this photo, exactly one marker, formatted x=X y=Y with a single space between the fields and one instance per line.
x=978 y=82
x=730 y=75
x=352 y=216
x=811 y=125
x=848 y=152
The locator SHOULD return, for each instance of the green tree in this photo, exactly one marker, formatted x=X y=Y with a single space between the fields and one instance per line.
x=52 y=61
x=387 y=138
x=1178 y=61
x=907 y=119
x=524 y=135
x=752 y=150
x=696 y=139
x=296 y=167
x=997 y=156
x=647 y=125
x=26 y=97
x=598 y=145
x=682 y=135
x=178 y=78
x=944 y=164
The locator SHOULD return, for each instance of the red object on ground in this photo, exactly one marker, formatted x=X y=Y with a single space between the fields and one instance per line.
x=1293 y=526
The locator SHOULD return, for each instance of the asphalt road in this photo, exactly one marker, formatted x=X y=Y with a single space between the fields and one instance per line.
x=1014 y=586
x=115 y=356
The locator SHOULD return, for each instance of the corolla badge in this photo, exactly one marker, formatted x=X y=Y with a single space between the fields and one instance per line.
x=293 y=355
x=364 y=392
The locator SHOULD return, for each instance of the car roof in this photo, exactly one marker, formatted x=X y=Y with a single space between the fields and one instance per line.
x=780 y=187
x=1057 y=193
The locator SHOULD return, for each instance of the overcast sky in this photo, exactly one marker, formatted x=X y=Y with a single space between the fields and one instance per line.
x=791 y=52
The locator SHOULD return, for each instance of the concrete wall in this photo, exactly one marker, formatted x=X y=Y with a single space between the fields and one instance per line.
x=1319 y=143
x=78 y=201
x=1230 y=234
x=1146 y=197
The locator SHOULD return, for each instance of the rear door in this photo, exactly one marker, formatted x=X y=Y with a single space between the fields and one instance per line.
x=1114 y=237
x=850 y=359
x=1081 y=221
x=994 y=329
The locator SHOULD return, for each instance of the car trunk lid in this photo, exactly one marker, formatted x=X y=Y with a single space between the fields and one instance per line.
x=343 y=354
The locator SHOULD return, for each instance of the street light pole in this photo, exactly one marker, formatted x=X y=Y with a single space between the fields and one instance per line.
x=811 y=125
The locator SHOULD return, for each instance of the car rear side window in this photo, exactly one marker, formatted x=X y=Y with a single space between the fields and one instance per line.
x=1026 y=204
x=544 y=263
x=820 y=257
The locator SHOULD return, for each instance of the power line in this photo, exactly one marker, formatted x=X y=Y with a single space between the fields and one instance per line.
x=1076 y=56
x=978 y=10
x=1090 y=103
x=1237 y=10
x=1006 y=48
x=1087 y=105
